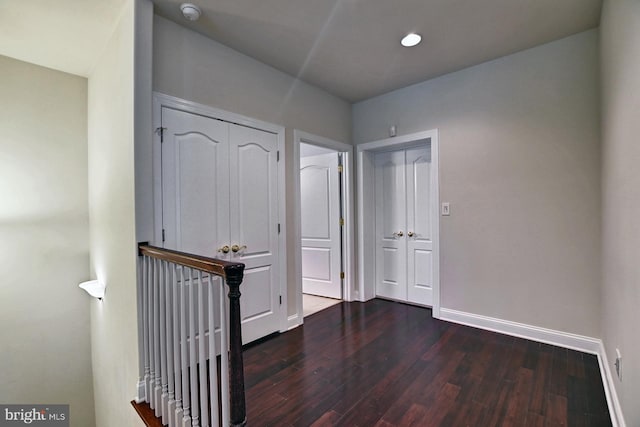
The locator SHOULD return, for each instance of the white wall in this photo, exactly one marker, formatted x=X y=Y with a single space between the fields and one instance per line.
x=190 y=66
x=44 y=239
x=519 y=163
x=112 y=226
x=620 y=53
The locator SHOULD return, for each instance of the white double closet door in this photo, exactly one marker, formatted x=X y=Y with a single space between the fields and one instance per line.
x=404 y=246
x=220 y=188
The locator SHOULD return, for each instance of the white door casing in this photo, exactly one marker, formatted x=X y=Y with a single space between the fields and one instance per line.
x=366 y=198
x=220 y=187
x=320 y=227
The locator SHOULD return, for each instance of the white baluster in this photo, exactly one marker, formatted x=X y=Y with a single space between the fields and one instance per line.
x=141 y=331
x=171 y=402
x=213 y=366
x=147 y=326
x=193 y=362
x=163 y=338
x=202 y=351
x=224 y=355
x=156 y=335
x=177 y=413
x=184 y=356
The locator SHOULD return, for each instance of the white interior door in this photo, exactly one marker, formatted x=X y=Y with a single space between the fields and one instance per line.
x=220 y=187
x=391 y=248
x=254 y=227
x=419 y=226
x=320 y=225
x=404 y=245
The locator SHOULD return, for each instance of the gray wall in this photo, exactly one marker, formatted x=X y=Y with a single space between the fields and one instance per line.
x=44 y=239
x=112 y=226
x=519 y=163
x=190 y=66
x=620 y=50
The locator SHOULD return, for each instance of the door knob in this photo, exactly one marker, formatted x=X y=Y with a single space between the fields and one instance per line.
x=411 y=234
x=224 y=249
x=398 y=234
x=236 y=248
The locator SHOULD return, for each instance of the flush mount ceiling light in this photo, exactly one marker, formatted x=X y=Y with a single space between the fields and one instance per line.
x=190 y=11
x=410 y=40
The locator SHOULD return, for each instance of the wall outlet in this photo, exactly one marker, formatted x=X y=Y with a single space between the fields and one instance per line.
x=445 y=209
x=618 y=364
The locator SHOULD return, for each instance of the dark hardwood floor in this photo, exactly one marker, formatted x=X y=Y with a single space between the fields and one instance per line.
x=388 y=364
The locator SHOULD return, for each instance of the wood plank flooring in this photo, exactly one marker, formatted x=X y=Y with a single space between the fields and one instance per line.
x=387 y=364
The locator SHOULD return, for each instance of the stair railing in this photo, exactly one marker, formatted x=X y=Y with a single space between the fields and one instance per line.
x=183 y=328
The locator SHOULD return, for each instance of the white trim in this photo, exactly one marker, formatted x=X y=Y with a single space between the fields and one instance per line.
x=282 y=237
x=617 y=418
x=366 y=288
x=348 y=288
x=161 y=100
x=548 y=336
x=294 y=321
x=521 y=330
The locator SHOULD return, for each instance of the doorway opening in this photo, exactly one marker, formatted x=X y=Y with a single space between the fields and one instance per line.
x=398 y=219
x=324 y=242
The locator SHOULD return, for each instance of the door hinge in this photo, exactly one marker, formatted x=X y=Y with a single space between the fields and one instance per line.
x=160 y=131
x=278 y=228
x=341 y=222
x=340 y=169
x=163 y=237
x=280 y=299
x=342 y=275
x=278 y=156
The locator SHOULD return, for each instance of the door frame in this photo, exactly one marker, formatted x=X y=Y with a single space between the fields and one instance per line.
x=161 y=100
x=349 y=293
x=367 y=215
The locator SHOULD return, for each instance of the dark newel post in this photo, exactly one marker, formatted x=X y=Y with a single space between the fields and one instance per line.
x=236 y=366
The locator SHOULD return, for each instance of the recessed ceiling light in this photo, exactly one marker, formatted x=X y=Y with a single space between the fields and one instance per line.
x=190 y=11
x=411 y=39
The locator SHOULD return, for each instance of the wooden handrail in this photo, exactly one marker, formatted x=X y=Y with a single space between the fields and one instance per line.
x=233 y=273
x=210 y=265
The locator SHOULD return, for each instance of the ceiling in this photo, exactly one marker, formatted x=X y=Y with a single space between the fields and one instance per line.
x=348 y=47
x=66 y=35
x=351 y=48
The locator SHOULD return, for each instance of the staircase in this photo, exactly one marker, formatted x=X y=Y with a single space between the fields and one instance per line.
x=183 y=326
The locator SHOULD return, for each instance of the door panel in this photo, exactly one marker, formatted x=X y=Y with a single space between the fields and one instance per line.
x=420 y=245
x=195 y=172
x=390 y=183
x=320 y=226
x=253 y=223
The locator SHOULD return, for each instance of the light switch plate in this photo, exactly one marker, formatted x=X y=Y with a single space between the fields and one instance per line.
x=445 y=210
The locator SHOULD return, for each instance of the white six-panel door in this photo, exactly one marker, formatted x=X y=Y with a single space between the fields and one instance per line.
x=320 y=226
x=404 y=247
x=219 y=188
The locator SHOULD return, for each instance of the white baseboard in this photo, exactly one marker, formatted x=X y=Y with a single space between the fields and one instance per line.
x=617 y=419
x=293 y=321
x=534 y=333
x=547 y=336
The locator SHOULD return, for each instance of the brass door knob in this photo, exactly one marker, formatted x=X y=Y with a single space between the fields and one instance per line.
x=411 y=234
x=399 y=234
x=236 y=248
x=224 y=249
